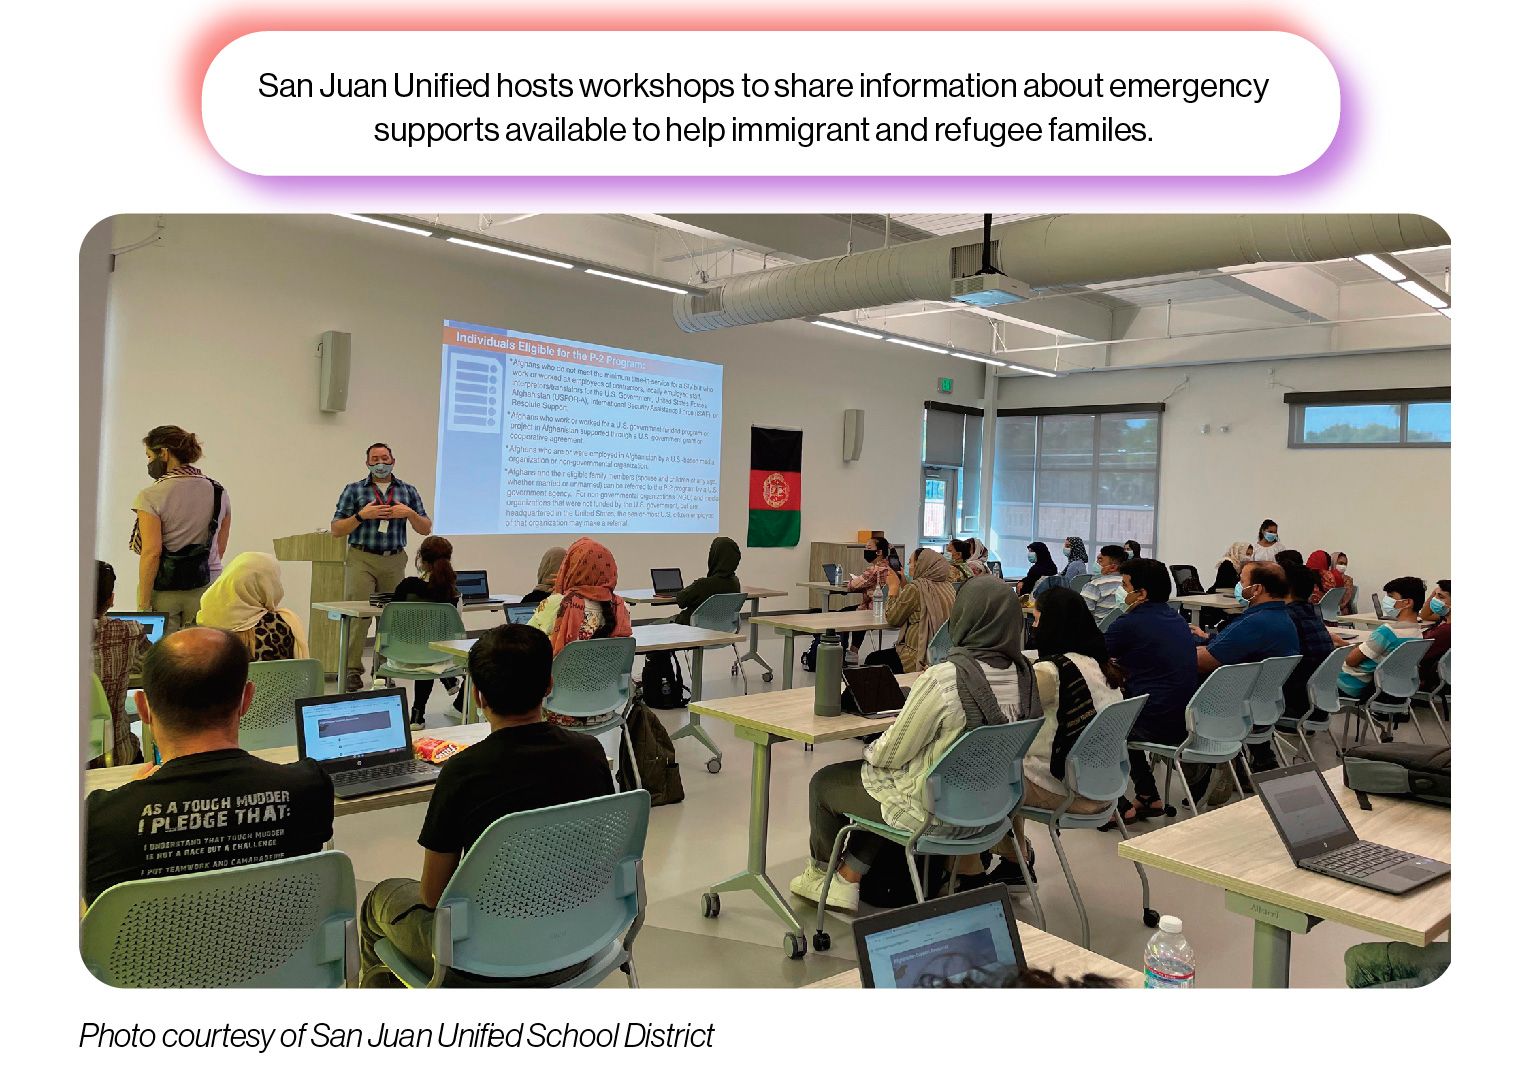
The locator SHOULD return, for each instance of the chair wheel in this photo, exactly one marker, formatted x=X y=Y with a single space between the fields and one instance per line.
x=1170 y=810
x=822 y=941
x=769 y=676
x=1151 y=918
x=795 y=946
x=711 y=906
x=735 y=670
x=714 y=764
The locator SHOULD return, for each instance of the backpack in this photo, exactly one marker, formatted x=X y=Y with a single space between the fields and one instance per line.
x=655 y=755
x=189 y=566
x=887 y=885
x=1398 y=769
x=809 y=657
x=663 y=684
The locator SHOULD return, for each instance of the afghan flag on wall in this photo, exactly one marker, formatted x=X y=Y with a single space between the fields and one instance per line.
x=774 y=488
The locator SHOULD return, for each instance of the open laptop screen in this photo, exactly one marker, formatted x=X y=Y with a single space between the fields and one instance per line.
x=153 y=621
x=355 y=726
x=874 y=688
x=473 y=585
x=667 y=580
x=1306 y=815
x=520 y=613
x=942 y=940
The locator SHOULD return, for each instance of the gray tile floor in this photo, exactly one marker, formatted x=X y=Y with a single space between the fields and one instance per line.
x=703 y=840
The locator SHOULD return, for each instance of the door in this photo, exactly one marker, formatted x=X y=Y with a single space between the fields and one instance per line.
x=940 y=504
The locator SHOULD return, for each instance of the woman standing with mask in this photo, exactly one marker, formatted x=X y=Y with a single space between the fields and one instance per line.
x=1267 y=542
x=180 y=512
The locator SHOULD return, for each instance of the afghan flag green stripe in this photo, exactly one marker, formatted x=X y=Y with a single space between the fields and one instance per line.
x=774 y=529
x=774 y=517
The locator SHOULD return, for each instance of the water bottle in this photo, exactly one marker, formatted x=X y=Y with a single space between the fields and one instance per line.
x=1169 y=961
x=878 y=599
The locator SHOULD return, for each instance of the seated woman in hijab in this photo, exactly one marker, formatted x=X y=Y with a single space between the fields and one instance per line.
x=1040 y=566
x=548 y=573
x=721 y=577
x=917 y=611
x=984 y=681
x=1077 y=562
x=246 y=599
x=583 y=605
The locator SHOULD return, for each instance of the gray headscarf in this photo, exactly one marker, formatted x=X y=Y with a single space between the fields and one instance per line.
x=986 y=627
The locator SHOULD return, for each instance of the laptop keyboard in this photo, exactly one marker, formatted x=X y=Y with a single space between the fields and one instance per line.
x=1361 y=858
x=380 y=772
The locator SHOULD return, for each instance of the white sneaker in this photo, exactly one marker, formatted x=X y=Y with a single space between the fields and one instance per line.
x=851 y=657
x=843 y=895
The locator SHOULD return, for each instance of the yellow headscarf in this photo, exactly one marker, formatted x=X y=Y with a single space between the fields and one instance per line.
x=249 y=588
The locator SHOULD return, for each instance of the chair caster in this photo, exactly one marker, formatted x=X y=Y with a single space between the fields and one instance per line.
x=1170 y=810
x=822 y=941
x=1151 y=918
x=795 y=946
x=769 y=676
x=711 y=906
x=714 y=764
x=734 y=671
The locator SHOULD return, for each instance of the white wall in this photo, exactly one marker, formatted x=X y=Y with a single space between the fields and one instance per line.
x=1387 y=508
x=215 y=329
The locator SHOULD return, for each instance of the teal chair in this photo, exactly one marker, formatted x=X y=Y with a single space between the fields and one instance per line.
x=539 y=892
x=1328 y=606
x=284 y=924
x=406 y=630
x=977 y=783
x=1267 y=703
x=1324 y=700
x=939 y=645
x=1438 y=697
x=102 y=739
x=1097 y=768
x=592 y=679
x=1390 y=700
x=1217 y=721
x=277 y=685
x=1079 y=582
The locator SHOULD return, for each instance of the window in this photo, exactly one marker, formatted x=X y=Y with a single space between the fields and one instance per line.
x=951 y=440
x=1388 y=418
x=1092 y=473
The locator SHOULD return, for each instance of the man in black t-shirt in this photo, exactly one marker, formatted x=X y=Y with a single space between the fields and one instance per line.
x=524 y=763
x=210 y=805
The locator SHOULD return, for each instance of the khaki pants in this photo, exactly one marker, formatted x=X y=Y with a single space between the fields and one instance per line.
x=180 y=605
x=366 y=573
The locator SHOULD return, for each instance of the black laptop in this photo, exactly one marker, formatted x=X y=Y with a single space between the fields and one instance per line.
x=520 y=613
x=1319 y=838
x=152 y=621
x=667 y=581
x=940 y=941
x=362 y=740
x=832 y=573
x=873 y=691
x=474 y=588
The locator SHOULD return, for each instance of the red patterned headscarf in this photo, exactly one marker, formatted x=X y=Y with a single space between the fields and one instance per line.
x=589 y=572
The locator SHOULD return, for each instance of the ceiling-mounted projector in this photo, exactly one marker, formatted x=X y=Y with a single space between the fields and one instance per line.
x=989 y=290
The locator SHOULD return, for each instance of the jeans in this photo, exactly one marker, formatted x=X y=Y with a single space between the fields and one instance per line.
x=837 y=791
x=1162 y=732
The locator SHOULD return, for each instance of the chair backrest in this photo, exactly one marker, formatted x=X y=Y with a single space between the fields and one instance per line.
x=1219 y=710
x=720 y=611
x=1108 y=619
x=277 y=685
x=1097 y=766
x=1328 y=607
x=1267 y=701
x=592 y=677
x=1187 y=581
x=1397 y=674
x=939 y=645
x=283 y=924
x=1079 y=582
x=979 y=780
x=1444 y=668
x=542 y=890
x=1323 y=686
x=101 y=735
x=407 y=628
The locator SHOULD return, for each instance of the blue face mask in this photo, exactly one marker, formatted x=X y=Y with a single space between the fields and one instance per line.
x=1238 y=593
x=1270 y=538
x=1032 y=557
x=1438 y=607
x=381 y=470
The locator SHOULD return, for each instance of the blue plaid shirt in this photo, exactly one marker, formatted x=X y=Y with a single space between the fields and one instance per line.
x=378 y=535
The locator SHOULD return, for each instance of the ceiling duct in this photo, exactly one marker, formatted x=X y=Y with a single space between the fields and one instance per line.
x=1049 y=251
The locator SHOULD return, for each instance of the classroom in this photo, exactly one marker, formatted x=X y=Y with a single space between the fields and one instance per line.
x=553 y=568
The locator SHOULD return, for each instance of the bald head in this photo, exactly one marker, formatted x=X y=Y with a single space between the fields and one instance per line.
x=1270 y=577
x=195 y=680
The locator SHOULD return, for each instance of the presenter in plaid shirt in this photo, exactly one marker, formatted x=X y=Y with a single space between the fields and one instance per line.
x=373 y=515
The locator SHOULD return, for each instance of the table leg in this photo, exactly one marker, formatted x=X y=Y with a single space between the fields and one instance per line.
x=342 y=649
x=1272 y=956
x=788 y=669
x=754 y=876
x=693 y=727
x=753 y=645
x=471 y=712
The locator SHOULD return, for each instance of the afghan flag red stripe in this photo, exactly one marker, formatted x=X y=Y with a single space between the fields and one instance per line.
x=774 y=488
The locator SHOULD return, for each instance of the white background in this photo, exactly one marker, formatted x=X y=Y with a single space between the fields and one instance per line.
x=99 y=121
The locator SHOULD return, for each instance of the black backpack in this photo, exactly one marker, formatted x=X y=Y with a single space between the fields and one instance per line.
x=663 y=684
x=809 y=657
x=888 y=885
x=1398 y=769
x=655 y=755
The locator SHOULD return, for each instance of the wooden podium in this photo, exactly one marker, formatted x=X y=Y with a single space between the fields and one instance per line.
x=326 y=554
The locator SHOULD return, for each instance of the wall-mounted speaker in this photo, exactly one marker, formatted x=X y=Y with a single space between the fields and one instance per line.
x=853 y=434
x=335 y=350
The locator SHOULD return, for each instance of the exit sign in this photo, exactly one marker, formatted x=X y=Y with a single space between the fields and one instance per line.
x=946 y=385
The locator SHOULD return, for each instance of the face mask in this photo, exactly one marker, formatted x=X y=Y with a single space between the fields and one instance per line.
x=1438 y=607
x=157 y=468
x=1129 y=600
x=1067 y=553
x=870 y=555
x=381 y=470
x=1270 y=538
x=1032 y=557
x=1238 y=593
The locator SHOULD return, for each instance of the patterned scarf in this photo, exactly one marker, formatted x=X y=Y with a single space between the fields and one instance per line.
x=589 y=572
x=1075 y=710
x=183 y=471
x=1077 y=550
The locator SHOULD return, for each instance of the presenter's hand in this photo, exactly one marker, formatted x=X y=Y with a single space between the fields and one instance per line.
x=374 y=511
x=399 y=511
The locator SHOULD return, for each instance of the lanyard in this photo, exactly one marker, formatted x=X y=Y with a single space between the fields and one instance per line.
x=388 y=498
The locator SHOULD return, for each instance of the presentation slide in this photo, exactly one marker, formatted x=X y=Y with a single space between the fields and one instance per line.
x=544 y=435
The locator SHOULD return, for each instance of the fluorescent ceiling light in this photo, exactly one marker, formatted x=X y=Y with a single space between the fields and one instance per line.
x=1031 y=370
x=388 y=225
x=918 y=344
x=636 y=281
x=1382 y=267
x=841 y=328
x=977 y=359
x=513 y=253
x=1423 y=293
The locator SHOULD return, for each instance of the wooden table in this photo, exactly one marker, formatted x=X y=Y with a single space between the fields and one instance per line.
x=1042 y=950
x=345 y=610
x=661 y=637
x=1194 y=604
x=111 y=777
x=1350 y=633
x=755 y=593
x=1237 y=849
x=764 y=720
x=828 y=623
x=828 y=589
x=1365 y=620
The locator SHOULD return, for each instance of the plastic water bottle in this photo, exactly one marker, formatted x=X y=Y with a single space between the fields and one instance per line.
x=1169 y=961
x=878 y=599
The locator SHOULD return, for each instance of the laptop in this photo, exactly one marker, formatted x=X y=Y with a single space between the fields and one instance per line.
x=994 y=566
x=1319 y=838
x=873 y=691
x=520 y=613
x=833 y=573
x=939 y=941
x=154 y=621
x=474 y=588
x=667 y=581
x=362 y=740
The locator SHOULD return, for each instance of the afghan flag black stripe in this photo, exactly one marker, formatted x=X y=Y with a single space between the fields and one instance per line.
x=774 y=488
